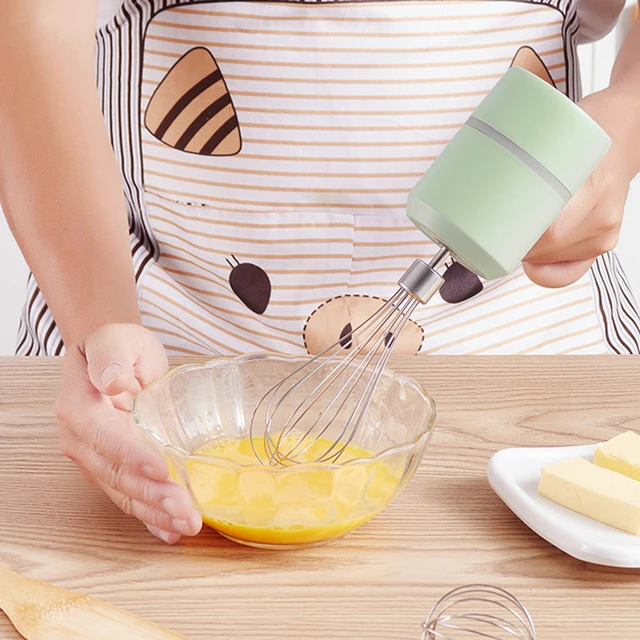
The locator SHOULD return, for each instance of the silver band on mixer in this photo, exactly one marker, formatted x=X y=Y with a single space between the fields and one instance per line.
x=527 y=159
x=422 y=280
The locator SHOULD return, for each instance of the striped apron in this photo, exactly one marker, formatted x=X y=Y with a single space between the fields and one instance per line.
x=267 y=150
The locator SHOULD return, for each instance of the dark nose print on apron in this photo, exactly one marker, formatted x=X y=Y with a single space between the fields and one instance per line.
x=389 y=340
x=191 y=109
x=460 y=284
x=345 y=336
x=251 y=284
x=346 y=342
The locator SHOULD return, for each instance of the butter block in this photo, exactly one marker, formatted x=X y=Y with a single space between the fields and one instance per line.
x=621 y=454
x=593 y=491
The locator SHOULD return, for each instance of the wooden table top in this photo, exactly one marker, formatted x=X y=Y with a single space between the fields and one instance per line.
x=445 y=530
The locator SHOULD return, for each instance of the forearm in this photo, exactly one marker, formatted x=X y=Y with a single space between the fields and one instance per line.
x=626 y=70
x=60 y=187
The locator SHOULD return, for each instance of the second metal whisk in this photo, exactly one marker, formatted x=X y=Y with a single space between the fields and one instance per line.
x=478 y=611
x=315 y=412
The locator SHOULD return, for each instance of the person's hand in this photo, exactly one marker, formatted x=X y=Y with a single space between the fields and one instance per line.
x=100 y=378
x=590 y=224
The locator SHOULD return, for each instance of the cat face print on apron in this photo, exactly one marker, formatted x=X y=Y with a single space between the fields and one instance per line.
x=268 y=148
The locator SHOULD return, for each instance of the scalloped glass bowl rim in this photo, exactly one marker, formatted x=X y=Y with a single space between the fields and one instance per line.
x=280 y=470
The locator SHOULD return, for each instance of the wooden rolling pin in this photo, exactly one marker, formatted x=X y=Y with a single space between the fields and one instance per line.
x=41 y=611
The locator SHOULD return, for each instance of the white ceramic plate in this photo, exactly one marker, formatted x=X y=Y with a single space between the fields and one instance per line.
x=514 y=475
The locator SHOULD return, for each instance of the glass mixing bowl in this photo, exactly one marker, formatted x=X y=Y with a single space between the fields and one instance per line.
x=210 y=406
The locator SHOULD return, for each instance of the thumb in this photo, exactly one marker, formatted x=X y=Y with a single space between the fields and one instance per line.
x=558 y=274
x=123 y=358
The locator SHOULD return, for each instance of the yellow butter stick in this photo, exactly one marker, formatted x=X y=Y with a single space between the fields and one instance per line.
x=593 y=491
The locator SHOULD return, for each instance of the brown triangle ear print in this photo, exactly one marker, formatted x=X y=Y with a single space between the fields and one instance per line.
x=528 y=59
x=191 y=109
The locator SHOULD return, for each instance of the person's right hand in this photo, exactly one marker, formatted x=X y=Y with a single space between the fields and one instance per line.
x=100 y=378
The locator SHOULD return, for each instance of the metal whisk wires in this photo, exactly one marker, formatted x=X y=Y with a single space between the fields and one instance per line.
x=348 y=372
x=328 y=396
x=479 y=611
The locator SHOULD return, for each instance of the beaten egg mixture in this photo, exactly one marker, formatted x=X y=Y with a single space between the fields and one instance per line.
x=289 y=506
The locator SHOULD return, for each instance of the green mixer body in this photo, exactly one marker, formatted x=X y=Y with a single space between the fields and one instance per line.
x=507 y=174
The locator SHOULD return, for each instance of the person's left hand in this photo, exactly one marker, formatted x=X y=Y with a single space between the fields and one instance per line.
x=590 y=223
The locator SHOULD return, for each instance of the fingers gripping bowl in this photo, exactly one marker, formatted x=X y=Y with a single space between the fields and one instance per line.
x=200 y=417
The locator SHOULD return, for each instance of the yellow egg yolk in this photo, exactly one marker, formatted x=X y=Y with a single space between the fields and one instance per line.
x=288 y=506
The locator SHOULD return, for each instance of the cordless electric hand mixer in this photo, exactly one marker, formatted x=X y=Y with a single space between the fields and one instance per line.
x=485 y=201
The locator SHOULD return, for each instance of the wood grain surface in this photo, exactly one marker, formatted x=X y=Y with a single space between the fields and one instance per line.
x=445 y=530
x=43 y=611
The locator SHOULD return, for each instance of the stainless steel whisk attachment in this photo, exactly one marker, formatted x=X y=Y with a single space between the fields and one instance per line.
x=315 y=412
x=478 y=611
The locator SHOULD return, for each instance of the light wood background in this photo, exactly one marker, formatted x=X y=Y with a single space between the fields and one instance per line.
x=445 y=530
